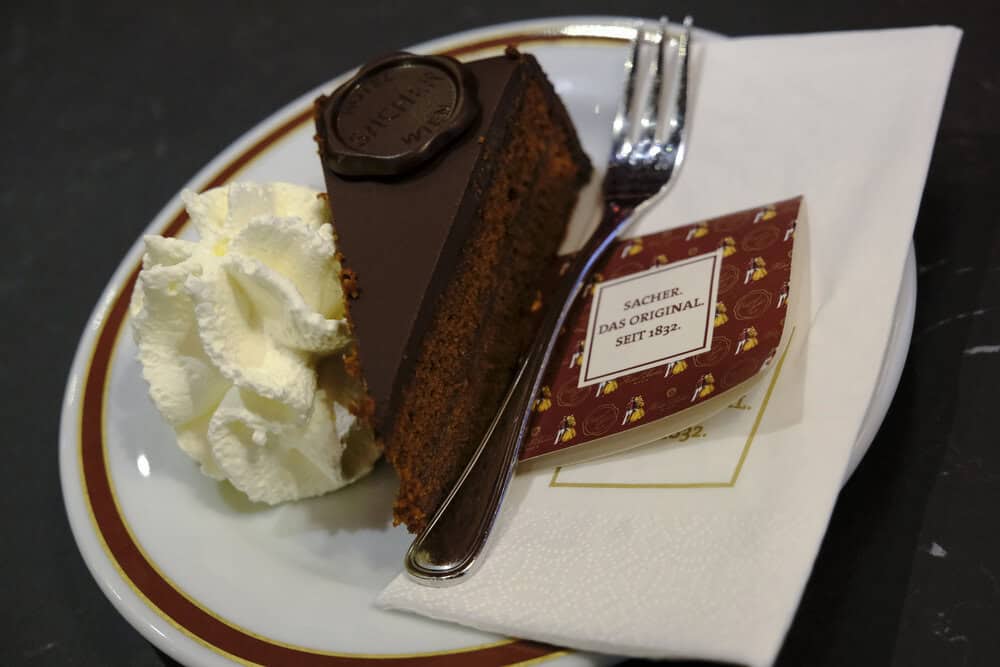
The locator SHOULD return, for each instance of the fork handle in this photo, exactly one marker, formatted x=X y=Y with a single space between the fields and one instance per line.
x=449 y=548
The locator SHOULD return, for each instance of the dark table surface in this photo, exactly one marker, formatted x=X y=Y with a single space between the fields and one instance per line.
x=108 y=108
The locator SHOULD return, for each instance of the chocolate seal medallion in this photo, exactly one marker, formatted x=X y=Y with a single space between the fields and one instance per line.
x=397 y=113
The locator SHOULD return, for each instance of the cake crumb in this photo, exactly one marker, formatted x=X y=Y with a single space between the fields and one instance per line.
x=363 y=409
x=352 y=363
x=536 y=305
x=349 y=279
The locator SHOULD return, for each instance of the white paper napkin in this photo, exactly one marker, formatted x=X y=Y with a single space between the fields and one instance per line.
x=652 y=553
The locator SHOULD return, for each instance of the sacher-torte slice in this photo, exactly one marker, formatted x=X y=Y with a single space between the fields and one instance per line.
x=450 y=186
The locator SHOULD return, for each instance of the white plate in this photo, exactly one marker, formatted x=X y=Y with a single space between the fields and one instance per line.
x=211 y=579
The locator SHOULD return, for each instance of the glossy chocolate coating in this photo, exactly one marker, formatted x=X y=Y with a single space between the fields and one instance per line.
x=403 y=234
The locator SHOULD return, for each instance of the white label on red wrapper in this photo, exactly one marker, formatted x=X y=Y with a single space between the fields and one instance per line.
x=651 y=318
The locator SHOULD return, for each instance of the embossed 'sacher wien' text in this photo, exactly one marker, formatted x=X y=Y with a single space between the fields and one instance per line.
x=419 y=99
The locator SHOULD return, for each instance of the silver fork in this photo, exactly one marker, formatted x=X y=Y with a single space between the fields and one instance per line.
x=647 y=149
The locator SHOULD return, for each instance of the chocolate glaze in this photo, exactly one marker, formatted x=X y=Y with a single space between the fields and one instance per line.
x=402 y=235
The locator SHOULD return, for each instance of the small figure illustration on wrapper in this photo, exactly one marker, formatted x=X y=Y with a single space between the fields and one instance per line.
x=577 y=357
x=765 y=214
x=696 y=232
x=633 y=247
x=790 y=232
x=756 y=270
x=544 y=401
x=728 y=246
x=705 y=387
x=721 y=314
x=607 y=387
x=660 y=261
x=567 y=429
x=675 y=368
x=783 y=295
x=635 y=410
x=747 y=341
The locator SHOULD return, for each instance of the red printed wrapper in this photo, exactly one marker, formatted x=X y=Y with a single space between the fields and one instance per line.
x=746 y=327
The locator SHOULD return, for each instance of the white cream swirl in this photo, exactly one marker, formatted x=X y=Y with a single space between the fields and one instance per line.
x=241 y=337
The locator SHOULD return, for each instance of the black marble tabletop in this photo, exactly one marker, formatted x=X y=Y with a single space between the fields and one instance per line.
x=109 y=107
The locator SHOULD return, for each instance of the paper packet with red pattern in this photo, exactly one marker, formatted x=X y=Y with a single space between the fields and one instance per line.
x=671 y=328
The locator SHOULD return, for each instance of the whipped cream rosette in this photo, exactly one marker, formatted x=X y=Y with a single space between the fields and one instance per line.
x=241 y=337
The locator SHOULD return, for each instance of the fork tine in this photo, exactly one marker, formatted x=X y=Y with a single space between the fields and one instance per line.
x=678 y=103
x=651 y=114
x=668 y=145
x=620 y=146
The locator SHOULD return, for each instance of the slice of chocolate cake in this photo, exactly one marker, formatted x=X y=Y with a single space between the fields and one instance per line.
x=450 y=186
